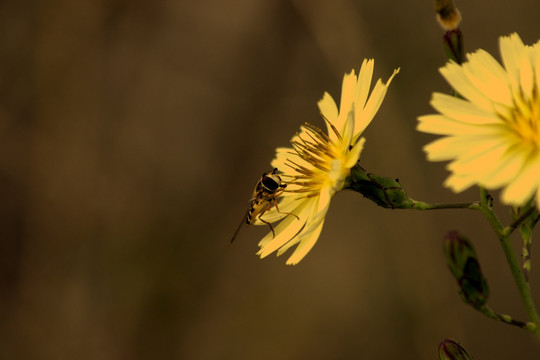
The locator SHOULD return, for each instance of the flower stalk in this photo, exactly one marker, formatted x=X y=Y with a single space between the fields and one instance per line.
x=389 y=193
x=507 y=319
x=503 y=233
x=525 y=219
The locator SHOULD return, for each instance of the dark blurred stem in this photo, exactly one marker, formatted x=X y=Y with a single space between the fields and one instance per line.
x=522 y=218
x=503 y=233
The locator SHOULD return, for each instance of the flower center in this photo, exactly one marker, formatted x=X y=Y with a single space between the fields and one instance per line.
x=321 y=161
x=335 y=176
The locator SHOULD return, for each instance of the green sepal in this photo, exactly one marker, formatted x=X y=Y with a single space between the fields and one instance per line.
x=385 y=192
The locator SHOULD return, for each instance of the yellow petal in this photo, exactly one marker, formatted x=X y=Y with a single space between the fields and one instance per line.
x=287 y=204
x=364 y=83
x=308 y=236
x=536 y=63
x=461 y=110
x=305 y=246
x=451 y=147
x=479 y=163
x=348 y=131
x=456 y=77
x=285 y=231
x=354 y=154
x=324 y=200
x=347 y=96
x=459 y=183
x=512 y=50
x=443 y=125
x=364 y=116
x=488 y=76
x=526 y=75
x=329 y=111
x=525 y=183
x=316 y=218
x=328 y=107
x=505 y=171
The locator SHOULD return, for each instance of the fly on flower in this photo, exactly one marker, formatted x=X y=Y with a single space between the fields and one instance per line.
x=267 y=189
x=318 y=163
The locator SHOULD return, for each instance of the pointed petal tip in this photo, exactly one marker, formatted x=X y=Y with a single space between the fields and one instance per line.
x=349 y=74
x=396 y=71
x=367 y=63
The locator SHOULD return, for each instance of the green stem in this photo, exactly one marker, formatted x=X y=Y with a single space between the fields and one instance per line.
x=486 y=206
x=503 y=234
x=420 y=205
x=527 y=217
x=388 y=192
x=526 y=254
x=522 y=218
x=507 y=319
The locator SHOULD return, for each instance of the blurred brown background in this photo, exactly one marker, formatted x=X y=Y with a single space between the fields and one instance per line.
x=132 y=133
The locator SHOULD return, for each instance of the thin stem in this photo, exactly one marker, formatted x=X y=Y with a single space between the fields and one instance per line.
x=504 y=237
x=486 y=206
x=526 y=254
x=507 y=319
x=390 y=194
x=522 y=218
x=525 y=223
x=420 y=205
x=521 y=282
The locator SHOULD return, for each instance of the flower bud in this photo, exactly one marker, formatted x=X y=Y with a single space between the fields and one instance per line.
x=453 y=45
x=464 y=265
x=448 y=15
x=449 y=18
x=451 y=350
x=385 y=192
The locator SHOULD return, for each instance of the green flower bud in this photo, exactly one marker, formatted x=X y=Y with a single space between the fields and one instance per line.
x=451 y=350
x=453 y=45
x=385 y=192
x=464 y=265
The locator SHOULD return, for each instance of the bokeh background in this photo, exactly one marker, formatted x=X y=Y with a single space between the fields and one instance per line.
x=131 y=135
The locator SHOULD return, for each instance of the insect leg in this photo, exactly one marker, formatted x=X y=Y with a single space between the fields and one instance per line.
x=288 y=213
x=266 y=222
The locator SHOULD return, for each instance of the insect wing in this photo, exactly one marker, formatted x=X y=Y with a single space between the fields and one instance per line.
x=258 y=207
x=244 y=221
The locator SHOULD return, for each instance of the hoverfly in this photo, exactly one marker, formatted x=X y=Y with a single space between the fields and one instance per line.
x=268 y=188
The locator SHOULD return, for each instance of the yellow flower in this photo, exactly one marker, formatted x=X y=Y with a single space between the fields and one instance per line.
x=491 y=134
x=317 y=164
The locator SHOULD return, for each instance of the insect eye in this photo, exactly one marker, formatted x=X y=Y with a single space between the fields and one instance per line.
x=269 y=183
